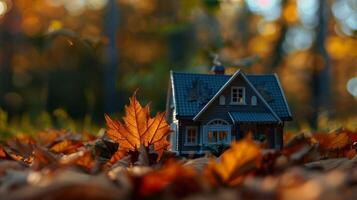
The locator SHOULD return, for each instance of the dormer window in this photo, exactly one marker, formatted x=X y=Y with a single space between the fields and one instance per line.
x=238 y=95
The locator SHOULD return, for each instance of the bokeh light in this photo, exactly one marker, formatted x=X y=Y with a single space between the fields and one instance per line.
x=77 y=7
x=97 y=4
x=346 y=12
x=3 y=8
x=307 y=10
x=269 y=9
x=352 y=86
x=298 y=38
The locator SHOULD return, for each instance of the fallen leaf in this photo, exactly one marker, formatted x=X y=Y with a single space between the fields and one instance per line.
x=182 y=179
x=199 y=163
x=2 y=152
x=66 y=146
x=117 y=156
x=48 y=137
x=86 y=161
x=139 y=129
x=243 y=157
x=351 y=153
x=332 y=140
x=42 y=158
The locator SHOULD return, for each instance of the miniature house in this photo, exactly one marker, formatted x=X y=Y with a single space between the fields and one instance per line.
x=213 y=109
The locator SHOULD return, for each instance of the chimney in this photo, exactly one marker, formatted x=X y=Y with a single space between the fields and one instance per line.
x=217 y=68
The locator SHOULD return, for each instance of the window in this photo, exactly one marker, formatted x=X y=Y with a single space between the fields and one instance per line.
x=217 y=137
x=238 y=95
x=222 y=100
x=254 y=101
x=217 y=131
x=191 y=136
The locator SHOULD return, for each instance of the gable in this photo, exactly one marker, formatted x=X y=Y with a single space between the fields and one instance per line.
x=213 y=108
x=188 y=108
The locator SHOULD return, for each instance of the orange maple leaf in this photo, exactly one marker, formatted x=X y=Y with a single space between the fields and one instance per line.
x=243 y=157
x=139 y=128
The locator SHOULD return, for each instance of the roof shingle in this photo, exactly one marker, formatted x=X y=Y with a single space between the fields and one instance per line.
x=267 y=85
x=252 y=117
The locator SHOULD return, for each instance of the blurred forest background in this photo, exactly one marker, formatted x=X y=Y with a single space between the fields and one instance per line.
x=73 y=60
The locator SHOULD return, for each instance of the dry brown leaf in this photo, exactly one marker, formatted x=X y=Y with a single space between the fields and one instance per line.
x=48 y=137
x=332 y=140
x=139 y=128
x=86 y=161
x=66 y=146
x=243 y=157
x=117 y=156
x=351 y=153
x=20 y=150
x=2 y=152
x=41 y=158
x=183 y=179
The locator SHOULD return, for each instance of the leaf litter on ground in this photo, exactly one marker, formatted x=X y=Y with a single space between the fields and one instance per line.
x=131 y=160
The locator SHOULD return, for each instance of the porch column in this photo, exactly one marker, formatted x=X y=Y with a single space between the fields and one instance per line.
x=278 y=138
x=271 y=137
x=201 y=138
x=238 y=132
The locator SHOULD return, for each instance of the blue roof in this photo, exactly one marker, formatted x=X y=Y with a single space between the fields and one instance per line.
x=267 y=85
x=252 y=117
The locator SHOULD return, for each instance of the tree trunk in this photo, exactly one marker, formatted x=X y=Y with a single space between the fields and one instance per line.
x=7 y=43
x=111 y=56
x=320 y=80
x=278 y=54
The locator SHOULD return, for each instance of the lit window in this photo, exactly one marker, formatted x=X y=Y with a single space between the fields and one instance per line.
x=222 y=100
x=254 y=101
x=238 y=95
x=191 y=135
x=212 y=136
x=217 y=137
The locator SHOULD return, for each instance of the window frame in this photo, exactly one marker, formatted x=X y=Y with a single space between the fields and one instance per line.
x=217 y=122
x=243 y=95
x=218 y=130
x=217 y=136
x=186 y=136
